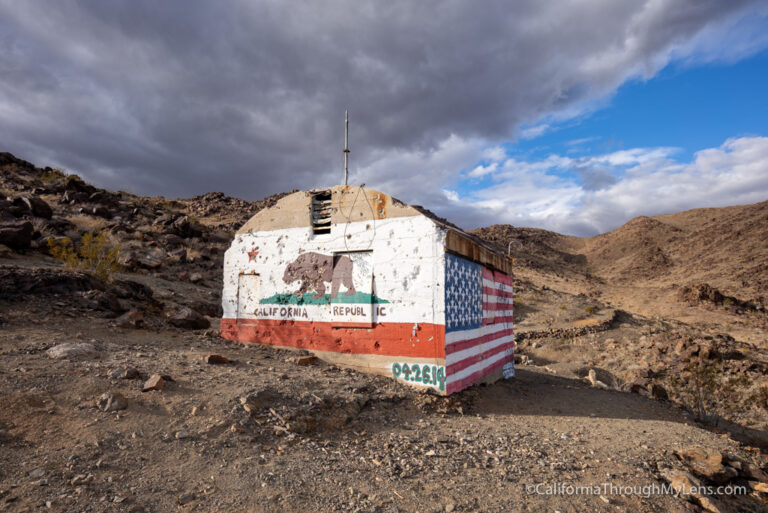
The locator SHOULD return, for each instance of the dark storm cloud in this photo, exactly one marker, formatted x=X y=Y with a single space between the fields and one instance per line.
x=183 y=97
x=595 y=178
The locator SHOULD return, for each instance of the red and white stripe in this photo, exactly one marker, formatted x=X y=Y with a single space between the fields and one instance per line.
x=472 y=354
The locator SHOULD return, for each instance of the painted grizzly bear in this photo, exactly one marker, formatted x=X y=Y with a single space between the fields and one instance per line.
x=315 y=269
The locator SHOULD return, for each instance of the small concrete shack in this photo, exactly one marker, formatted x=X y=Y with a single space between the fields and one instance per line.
x=366 y=281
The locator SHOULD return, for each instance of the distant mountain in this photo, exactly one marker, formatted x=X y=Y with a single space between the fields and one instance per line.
x=726 y=247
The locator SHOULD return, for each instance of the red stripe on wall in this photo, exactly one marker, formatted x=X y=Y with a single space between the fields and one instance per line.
x=471 y=360
x=488 y=321
x=497 y=292
x=497 y=306
x=471 y=342
x=503 y=278
x=389 y=339
x=473 y=378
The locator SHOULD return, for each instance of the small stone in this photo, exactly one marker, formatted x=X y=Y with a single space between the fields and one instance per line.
x=215 y=359
x=195 y=277
x=186 y=318
x=68 y=351
x=109 y=401
x=754 y=473
x=37 y=474
x=125 y=372
x=133 y=319
x=185 y=498
x=306 y=360
x=707 y=464
x=450 y=507
x=78 y=479
x=710 y=504
x=155 y=382
x=681 y=481
x=181 y=435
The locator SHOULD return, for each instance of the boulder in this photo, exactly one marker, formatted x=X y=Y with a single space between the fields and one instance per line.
x=753 y=472
x=215 y=359
x=101 y=300
x=37 y=206
x=255 y=401
x=103 y=197
x=155 y=382
x=126 y=289
x=6 y=209
x=16 y=235
x=133 y=319
x=73 y=197
x=184 y=227
x=75 y=184
x=69 y=351
x=659 y=392
x=178 y=256
x=188 y=319
x=111 y=402
x=99 y=211
x=152 y=258
x=125 y=372
x=171 y=240
x=165 y=220
x=20 y=208
x=683 y=482
x=306 y=360
x=59 y=225
x=707 y=464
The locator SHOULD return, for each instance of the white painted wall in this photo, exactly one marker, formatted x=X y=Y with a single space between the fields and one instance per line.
x=408 y=266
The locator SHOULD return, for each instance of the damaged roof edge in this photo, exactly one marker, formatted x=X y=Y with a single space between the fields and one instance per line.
x=294 y=210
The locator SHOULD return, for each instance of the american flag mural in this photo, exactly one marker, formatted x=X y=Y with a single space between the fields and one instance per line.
x=479 y=335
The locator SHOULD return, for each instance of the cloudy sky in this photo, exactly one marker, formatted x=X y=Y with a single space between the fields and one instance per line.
x=569 y=115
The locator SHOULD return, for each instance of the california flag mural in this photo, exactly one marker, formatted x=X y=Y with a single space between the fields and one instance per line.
x=365 y=281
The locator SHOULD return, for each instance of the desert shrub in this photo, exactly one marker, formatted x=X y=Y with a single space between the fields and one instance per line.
x=704 y=389
x=760 y=398
x=696 y=393
x=563 y=307
x=589 y=309
x=86 y=223
x=52 y=175
x=96 y=254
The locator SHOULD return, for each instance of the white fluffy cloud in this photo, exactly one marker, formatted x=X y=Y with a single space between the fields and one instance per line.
x=638 y=181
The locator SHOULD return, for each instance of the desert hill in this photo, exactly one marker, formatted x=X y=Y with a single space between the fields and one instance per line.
x=725 y=246
x=647 y=264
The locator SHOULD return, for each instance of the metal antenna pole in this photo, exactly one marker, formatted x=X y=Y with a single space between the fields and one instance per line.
x=346 y=147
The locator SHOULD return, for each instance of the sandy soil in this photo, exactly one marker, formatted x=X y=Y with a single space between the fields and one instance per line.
x=378 y=446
